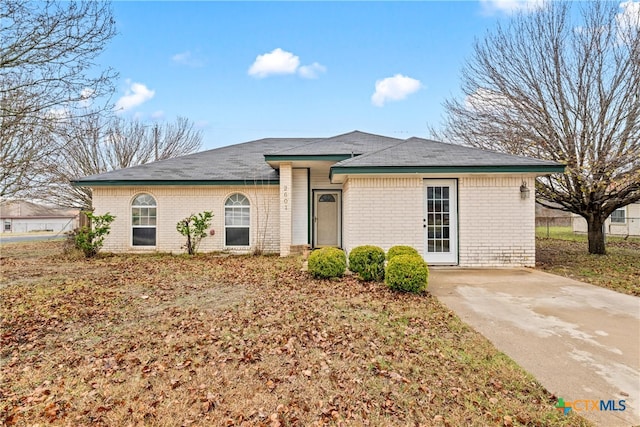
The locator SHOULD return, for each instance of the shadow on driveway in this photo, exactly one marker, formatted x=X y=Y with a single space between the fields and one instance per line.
x=582 y=342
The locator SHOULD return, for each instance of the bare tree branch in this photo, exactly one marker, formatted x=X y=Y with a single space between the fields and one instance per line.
x=47 y=76
x=90 y=145
x=545 y=86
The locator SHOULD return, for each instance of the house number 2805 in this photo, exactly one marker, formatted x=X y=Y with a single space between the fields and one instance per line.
x=285 y=197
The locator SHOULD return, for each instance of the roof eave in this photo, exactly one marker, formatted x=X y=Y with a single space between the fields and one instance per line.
x=359 y=170
x=274 y=160
x=137 y=183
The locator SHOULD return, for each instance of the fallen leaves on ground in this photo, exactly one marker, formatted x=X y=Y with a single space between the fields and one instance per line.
x=237 y=340
x=619 y=269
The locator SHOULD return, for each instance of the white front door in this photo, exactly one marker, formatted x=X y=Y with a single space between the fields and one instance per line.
x=441 y=221
x=327 y=218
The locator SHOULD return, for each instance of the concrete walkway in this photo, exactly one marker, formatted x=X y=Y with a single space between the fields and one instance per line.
x=582 y=342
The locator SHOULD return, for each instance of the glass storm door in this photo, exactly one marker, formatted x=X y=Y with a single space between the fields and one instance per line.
x=327 y=218
x=441 y=222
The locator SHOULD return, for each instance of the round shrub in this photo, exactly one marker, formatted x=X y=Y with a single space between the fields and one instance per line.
x=401 y=250
x=407 y=273
x=368 y=262
x=327 y=262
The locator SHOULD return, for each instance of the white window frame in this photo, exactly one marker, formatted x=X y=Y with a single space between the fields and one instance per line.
x=7 y=222
x=154 y=226
x=624 y=216
x=227 y=226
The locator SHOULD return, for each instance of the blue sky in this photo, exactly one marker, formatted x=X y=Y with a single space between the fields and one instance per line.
x=248 y=70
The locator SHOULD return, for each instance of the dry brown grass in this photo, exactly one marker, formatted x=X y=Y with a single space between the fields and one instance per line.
x=567 y=255
x=169 y=340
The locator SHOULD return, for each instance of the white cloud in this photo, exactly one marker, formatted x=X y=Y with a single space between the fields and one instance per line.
x=394 y=89
x=86 y=96
x=277 y=61
x=628 y=18
x=87 y=93
x=136 y=94
x=187 y=58
x=158 y=115
x=510 y=6
x=280 y=61
x=58 y=113
x=311 y=71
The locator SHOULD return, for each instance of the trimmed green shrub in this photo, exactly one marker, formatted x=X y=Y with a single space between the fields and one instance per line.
x=401 y=250
x=327 y=262
x=89 y=239
x=407 y=273
x=193 y=228
x=368 y=262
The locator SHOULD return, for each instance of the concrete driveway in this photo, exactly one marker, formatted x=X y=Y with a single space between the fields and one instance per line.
x=582 y=342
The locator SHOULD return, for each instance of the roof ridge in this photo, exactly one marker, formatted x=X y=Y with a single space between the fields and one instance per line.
x=317 y=140
x=371 y=153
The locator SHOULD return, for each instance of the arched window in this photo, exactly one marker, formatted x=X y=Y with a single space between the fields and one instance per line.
x=143 y=220
x=236 y=220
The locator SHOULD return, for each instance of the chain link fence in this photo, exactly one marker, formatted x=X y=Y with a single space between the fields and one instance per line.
x=547 y=226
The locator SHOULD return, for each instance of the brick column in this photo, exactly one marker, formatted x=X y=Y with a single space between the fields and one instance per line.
x=286 y=180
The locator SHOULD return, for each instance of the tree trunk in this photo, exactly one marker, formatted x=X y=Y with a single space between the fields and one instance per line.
x=189 y=244
x=596 y=235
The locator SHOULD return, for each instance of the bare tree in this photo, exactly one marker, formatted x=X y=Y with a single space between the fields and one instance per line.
x=47 y=71
x=546 y=86
x=23 y=148
x=90 y=145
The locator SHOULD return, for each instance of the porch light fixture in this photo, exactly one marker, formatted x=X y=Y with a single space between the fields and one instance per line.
x=524 y=191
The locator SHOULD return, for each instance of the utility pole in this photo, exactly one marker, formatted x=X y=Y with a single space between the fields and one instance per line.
x=155 y=139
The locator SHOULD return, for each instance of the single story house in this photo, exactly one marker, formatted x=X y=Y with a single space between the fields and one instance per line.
x=21 y=216
x=456 y=205
x=624 y=221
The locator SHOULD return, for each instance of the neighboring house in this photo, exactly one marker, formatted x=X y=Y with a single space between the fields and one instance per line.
x=456 y=205
x=552 y=217
x=20 y=216
x=624 y=221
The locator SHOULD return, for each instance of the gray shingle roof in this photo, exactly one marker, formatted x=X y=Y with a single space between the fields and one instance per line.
x=355 y=142
x=233 y=163
x=419 y=152
x=246 y=161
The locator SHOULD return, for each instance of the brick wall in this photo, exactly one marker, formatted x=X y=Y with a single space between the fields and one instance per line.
x=496 y=227
x=176 y=203
x=383 y=212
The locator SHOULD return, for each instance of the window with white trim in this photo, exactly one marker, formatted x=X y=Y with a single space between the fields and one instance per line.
x=619 y=216
x=143 y=220
x=237 y=218
x=438 y=219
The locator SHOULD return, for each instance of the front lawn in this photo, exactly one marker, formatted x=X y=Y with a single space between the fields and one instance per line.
x=566 y=253
x=223 y=340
